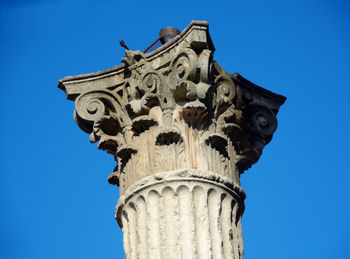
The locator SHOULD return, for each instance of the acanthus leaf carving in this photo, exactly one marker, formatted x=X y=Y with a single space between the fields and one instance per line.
x=177 y=101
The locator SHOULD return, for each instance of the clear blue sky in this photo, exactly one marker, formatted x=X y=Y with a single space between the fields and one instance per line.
x=54 y=197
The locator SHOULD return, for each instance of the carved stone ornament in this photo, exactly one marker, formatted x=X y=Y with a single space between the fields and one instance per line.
x=175 y=109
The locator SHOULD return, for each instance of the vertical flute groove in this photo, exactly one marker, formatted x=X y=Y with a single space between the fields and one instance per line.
x=142 y=251
x=162 y=226
x=186 y=222
x=226 y=227
x=126 y=241
x=132 y=231
x=153 y=225
x=170 y=207
x=201 y=216
x=235 y=234
x=240 y=238
x=214 y=206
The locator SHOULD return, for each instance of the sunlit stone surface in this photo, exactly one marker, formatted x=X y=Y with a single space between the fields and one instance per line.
x=182 y=130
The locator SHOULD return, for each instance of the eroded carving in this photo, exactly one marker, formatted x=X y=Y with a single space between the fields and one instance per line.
x=181 y=130
x=175 y=102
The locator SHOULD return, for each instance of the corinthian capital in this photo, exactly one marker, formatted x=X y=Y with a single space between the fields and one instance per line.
x=174 y=108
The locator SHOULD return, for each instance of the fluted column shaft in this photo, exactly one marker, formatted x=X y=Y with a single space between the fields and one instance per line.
x=182 y=214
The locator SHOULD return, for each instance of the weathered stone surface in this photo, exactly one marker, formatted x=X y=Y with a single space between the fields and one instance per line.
x=177 y=110
x=174 y=108
x=182 y=214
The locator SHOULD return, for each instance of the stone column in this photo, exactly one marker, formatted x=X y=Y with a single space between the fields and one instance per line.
x=182 y=130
